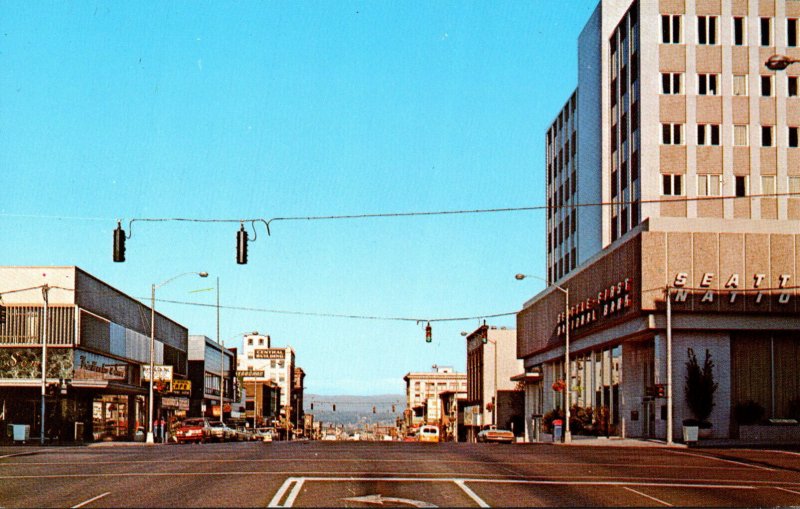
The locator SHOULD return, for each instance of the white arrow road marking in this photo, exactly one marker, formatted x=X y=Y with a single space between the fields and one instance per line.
x=378 y=499
x=474 y=496
x=91 y=500
x=296 y=483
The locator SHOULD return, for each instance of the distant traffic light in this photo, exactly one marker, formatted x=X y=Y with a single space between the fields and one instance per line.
x=241 y=246
x=392 y=408
x=428 y=333
x=312 y=406
x=334 y=407
x=373 y=409
x=119 y=243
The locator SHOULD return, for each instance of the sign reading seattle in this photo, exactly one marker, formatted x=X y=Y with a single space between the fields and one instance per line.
x=269 y=353
x=609 y=302
x=731 y=287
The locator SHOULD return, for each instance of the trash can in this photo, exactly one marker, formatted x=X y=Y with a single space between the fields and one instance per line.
x=22 y=432
x=558 y=425
x=79 y=429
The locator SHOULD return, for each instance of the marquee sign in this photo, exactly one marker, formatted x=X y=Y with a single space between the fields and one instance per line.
x=255 y=373
x=731 y=287
x=610 y=301
x=163 y=373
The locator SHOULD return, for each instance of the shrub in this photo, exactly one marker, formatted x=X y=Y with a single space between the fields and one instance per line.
x=748 y=412
x=549 y=417
x=700 y=386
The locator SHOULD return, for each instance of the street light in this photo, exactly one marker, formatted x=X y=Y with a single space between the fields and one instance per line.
x=153 y=347
x=780 y=62
x=567 y=390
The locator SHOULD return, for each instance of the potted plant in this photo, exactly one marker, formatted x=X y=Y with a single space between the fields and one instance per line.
x=700 y=388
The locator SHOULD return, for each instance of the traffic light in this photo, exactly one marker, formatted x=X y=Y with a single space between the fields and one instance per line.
x=428 y=333
x=392 y=408
x=334 y=407
x=312 y=406
x=119 y=243
x=241 y=246
x=373 y=409
x=2 y=314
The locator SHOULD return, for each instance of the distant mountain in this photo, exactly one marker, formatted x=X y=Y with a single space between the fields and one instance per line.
x=355 y=411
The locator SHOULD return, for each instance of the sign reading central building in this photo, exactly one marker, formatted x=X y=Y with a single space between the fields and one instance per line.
x=269 y=353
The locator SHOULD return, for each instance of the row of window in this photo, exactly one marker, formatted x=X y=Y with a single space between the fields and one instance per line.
x=563 y=266
x=709 y=134
x=708 y=30
x=711 y=184
x=672 y=83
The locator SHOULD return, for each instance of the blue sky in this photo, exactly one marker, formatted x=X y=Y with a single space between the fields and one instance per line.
x=121 y=110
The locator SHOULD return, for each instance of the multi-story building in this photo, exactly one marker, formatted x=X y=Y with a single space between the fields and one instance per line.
x=491 y=362
x=422 y=393
x=97 y=344
x=277 y=365
x=297 y=398
x=688 y=145
x=212 y=376
x=452 y=404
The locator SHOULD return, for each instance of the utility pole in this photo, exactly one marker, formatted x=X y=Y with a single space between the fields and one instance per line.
x=45 y=292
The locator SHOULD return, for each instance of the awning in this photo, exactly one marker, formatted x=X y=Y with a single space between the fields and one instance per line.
x=528 y=378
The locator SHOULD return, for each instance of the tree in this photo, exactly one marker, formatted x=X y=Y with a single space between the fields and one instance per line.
x=700 y=386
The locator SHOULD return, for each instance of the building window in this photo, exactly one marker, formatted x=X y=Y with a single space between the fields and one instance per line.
x=708 y=134
x=672 y=134
x=740 y=136
x=709 y=185
x=766 y=135
x=261 y=341
x=272 y=364
x=706 y=30
x=792 y=86
x=739 y=34
x=671 y=29
x=766 y=86
x=793 y=136
x=794 y=185
x=742 y=183
x=671 y=83
x=672 y=184
x=791 y=32
x=250 y=341
x=768 y=184
x=766 y=32
x=707 y=84
x=740 y=84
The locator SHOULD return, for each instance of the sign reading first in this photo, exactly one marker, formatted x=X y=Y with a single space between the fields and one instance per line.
x=269 y=353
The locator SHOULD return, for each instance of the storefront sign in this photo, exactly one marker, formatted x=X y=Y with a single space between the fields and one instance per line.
x=182 y=387
x=162 y=373
x=175 y=403
x=731 y=289
x=269 y=353
x=26 y=363
x=609 y=302
x=255 y=373
x=91 y=366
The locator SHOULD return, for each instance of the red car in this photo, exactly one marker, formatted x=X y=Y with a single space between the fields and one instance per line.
x=194 y=430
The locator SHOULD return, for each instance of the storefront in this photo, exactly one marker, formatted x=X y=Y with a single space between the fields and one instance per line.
x=731 y=302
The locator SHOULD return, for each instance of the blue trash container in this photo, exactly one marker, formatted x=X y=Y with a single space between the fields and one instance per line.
x=558 y=426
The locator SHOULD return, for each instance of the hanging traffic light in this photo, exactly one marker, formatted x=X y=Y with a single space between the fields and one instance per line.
x=334 y=407
x=119 y=243
x=241 y=246
x=428 y=333
x=312 y=406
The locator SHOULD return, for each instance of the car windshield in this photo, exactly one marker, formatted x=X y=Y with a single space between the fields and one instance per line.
x=193 y=422
x=216 y=424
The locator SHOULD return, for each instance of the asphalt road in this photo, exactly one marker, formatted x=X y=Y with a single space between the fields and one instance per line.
x=364 y=474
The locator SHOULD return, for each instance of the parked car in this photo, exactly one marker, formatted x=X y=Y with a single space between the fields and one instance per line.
x=220 y=432
x=493 y=434
x=263 y=434
x=428 y=433
x=194 y=430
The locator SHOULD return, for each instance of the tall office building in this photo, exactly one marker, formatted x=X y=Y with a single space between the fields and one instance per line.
x=687 y=145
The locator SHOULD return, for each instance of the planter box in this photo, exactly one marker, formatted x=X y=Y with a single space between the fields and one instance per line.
x=690 y=433
x=772 y=433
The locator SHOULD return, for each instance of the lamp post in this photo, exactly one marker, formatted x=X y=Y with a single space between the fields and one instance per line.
x=45 y=292
x=153 y=347
x=567 y=389
x=669 y=365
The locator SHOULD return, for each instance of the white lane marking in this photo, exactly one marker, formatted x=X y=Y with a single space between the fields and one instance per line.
x=784 y=489
x=645 y=495
x=725 y=460
x=293 y=494
x=275 y=502
x=474 y=496
x=91 y=500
